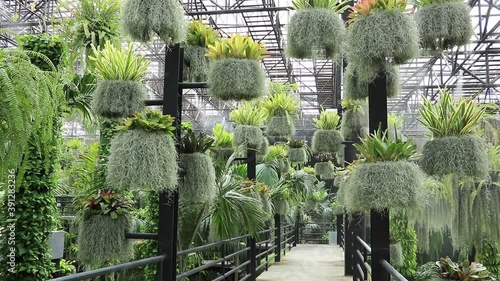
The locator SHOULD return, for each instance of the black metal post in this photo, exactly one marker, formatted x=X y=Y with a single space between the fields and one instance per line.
x=340 y=220
x=377 y=105
x=252 y=174
x=277 y=239
x=297 y=229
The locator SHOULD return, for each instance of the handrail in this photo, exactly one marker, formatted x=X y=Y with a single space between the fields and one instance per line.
x=210 y=245
x=363 y=243
x=392 y=271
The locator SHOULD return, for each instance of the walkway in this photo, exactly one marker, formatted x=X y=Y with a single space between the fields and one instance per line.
x=308 y=262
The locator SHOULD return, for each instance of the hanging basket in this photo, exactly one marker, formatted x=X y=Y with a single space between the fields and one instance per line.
x=354 y=125
x=324 y=169
x=280 y=126
x=142 y=160
x=444 y=26
x=143 y=18
x=250 y=134
x=381 y=35
x=236 y=79
x=118 y=98
x=383 y=185
x=464 y=156
x=315 y=34
x=327 y=141
x=356 y=82
x=198 y=185
x=101 y=239
x=297 y=155
x=198 y=64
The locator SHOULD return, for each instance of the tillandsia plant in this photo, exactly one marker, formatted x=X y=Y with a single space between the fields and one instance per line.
x=199 y=37
x=455 y=148
x=195 y=143
x=248 y=119
x=119 y=92
x=236 y=73
x=281 y=105
x=384 y=178
x=354 y=120
x=328 y=137
x=443 y=24
x=450 y=270
x=358 y=78
x=143 y=154
x=380 y=31
x=316 y=30
x=296 y=151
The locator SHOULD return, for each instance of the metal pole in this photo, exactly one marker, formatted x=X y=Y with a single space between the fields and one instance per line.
x=252 y=174
x=277 y=239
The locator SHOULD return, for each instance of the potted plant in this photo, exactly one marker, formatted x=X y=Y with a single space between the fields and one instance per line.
x=443 y=24
x=384 y=178
x=236 y=73
x=143 y=155
x=357 y=80
x=199 y=37
x=296 y=151
x=119 y=92
x=328 y=137
x=355 y=120
x=280 y=105
x=223 y=141
x=379 y=31
x=316 y=30
x=101 y=236
x=324 y=167
x=455 y=148
x=248 y=119
x=142 y=19
x=315 y=197
x=198 y=183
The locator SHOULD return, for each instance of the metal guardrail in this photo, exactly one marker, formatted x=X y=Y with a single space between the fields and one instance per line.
x=315 y=234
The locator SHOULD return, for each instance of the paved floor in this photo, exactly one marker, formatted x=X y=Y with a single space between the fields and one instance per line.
x=308 y=262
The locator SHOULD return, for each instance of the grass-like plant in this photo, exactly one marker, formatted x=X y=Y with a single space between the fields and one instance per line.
x=327 y=138
x=199 y=182
x=281 y=101
x=378 y=147
x=223 y=139
x=248 y=114
x=296 y=143
x=328 y=120
x=200 y=34
x=237 y=47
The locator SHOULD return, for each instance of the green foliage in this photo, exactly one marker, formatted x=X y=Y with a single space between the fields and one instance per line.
x=51 y=46
x=324 y=169
x=328 y=120
x=378 y=147
x=428 y=271
x=66 y=267
x=315 y=33
x=490 y=256
x=396 y=253
x=281 y=101
x=150 y=121
x=448 y=118
x=117 y=98
x=458 y=271
x=197 y=69
x=296 y=143
x=354 y=124
x=248 y=114
x=198 y=184
x=107 y=204
x=200 y=34
x=223 y=139
x=148 y=248
x=443 y=24
x=334 y=5
x=114 y=63
x=280 y=126
x=318 y=196
x=237 y=47
x=357 y=79
x=142 y=160
x=78 y=93
x=368 y=7
x=404 y=232
x=250 y=135
x=327 y=141
x=309 y=170
x=236 y=79
x=193 y=143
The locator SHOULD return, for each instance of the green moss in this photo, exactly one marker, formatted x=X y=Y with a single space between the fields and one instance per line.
x=297 y=155
x=198 y=64
x=464 y=155
x=315 y=33
x=383 y=185
x=101 y=239
x=327 y=141
x=444 y=26
x=354 y=124
x=324 y=169
x=356 y=82
x=396 y=252
x=116 y=99
x=374 y=38
x=281 y=207
x=327 y=177
x=280 y=126
x=140 y=159
x=135 y=19
x=237 y=79
x=198 y=185
x=247 y=134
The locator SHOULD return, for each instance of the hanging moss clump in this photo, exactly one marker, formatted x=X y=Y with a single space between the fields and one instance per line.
x=198 y=63
x=324 y=169
x=354 y=124
x=251 y=135
x=356 y=81
x=279 y=126
x=198 y=185
x=327 y=141
x=297 y=155
x=118 y=98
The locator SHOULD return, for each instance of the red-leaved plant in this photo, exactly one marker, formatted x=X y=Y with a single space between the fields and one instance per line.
x=108 y=204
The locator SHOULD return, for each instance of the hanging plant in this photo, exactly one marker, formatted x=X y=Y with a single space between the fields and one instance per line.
x=455 y=147
x=296 y=151
x=119 y=92
x=143 y=155
x=280 y=106
x=223 y=141
x=236 y=73
x=101 y=234
x=51 y=46
x=380 y=30
x=198 y=185
x=384 y=179
x=357 y=80
x=324 y=169
x=248 y=119
x=142 y=19
x=263 y=150
x=199 y=37
x=315 y=30
x=396 y=254
x=355 y=120
x=328 y=137
x=443 y=24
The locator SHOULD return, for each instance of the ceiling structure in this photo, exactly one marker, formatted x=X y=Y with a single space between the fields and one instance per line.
x=472 y=70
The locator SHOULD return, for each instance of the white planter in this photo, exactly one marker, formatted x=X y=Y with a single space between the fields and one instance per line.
x=332 y=237
x=56 y=242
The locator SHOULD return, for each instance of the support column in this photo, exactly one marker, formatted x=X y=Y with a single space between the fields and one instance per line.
x=252 y=174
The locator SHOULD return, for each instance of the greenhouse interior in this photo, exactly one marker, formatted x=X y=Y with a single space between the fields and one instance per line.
x=254 y=140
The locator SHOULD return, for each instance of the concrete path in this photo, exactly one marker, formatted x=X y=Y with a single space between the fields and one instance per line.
x=308 y=262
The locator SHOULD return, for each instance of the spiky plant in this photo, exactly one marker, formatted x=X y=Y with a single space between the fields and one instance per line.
x=200 y=36
x=328 y=120
x=281 y=101
x=237 y=47
x=248 y=114
x=222 y=138
x=378 y=147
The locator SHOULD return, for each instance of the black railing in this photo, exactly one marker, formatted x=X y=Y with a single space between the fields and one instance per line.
x=315 y=232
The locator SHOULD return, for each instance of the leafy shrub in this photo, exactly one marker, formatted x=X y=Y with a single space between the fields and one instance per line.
x=150 y=121
x=237 y=47
x=463 y=271
x=51 y=46
x=367 y=7
x=378 y=147
x=200 y=34
x=248 y=114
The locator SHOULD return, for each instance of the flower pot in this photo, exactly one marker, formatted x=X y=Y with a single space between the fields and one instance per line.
x=102 y=239
x=56 y=243
x=236 y=79
x=464 y=155
x=396 y=254
x=118 y=98
x=297 y=155
x=197 y=69
x=280 y=126
x=332 y=237
x=383 y=185
x=356 y=81
x=324 y=169
x=198 y=184
x=250 y=135
x=327 y=141
x=142 y=160
x=381 y=35
x=444 y=25
x=315 y=34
